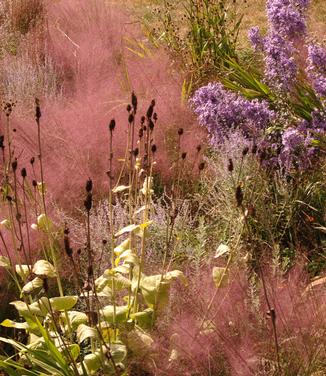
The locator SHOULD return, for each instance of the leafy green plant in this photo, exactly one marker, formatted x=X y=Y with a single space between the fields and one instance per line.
x=199 y=34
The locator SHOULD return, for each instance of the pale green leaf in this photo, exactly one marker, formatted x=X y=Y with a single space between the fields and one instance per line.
x=33 y=285
x=4 y=262
x=44 y=268
x=84 y=332
x=220 y=276
x=63 y=303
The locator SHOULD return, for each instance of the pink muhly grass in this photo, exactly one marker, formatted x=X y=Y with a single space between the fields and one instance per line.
x=237 y=337
x=87 y=43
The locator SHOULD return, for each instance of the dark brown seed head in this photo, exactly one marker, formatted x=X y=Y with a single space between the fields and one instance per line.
x=154 y=148
x=34 y=183
x=89 y=185
x=254 y=149
x=134 y=101
x=198 y=148
x=201 y=166
x=141 y=133
x=131 y=118
x=14 y=165
x=180 y=131
x=245 y=151
x=184 y=155
x=104 y=241
x=142 y=120
x=151 y=124
x=23 y=172
x=37 y=109
x=230 y=165
x=155 y=117
x=112 y=125
x=88 y=202
x=239 y=195
x=135 y=152
x=32 y=160
x=129 y=108
x=2 y=139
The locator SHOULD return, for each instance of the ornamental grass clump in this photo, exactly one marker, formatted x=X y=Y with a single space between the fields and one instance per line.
x=113 y=306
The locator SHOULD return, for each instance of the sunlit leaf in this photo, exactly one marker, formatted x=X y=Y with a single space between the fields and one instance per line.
x=108 y=311
x=4 y=262
x=62 y=303
x=33 y=285
x=17 y=325
x=84 y=332
x=220 y=276
x=44 y=268
x=222 y=249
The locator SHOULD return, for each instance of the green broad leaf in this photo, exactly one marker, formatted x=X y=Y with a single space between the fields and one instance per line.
x=23 y=270
x=121 y=282
x=63 y=303
x=143 y=318
x=84 y=332
x=12 y=324
x=155 y=291
x=35 y=284
x=128 y=257
x=118 y=352
x=4 y=262
x=44 y=268
x=123 y=269
x=93 y=362
x=44 y=223
x=126 y=230
x=220 y=276
x=101 y=283
x=120 y=313
x=122 y=247
x=76 y=318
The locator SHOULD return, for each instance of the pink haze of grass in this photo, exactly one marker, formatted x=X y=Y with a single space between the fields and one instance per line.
x=238 y=338
x=87 y=42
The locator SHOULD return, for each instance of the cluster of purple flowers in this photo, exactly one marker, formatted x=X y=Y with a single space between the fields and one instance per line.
x=222 y=111
x=225 y=113
x=316 y=68
x=286 y=26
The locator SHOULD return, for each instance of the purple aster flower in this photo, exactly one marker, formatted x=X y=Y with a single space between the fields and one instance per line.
x=316 y=68
x=297 y=151
x=222 y=111
x=255 y=38
x=280 y=66
x=285 y=18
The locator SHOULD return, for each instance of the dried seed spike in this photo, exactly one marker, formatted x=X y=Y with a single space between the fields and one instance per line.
x=89 y=185
x=230 y=165
x=184 y=155
x=37 y=109
x=134 y=101
x=112 y=125
x=180 y=131
x=239 y=195
x=23 y=172
x=14 y=165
